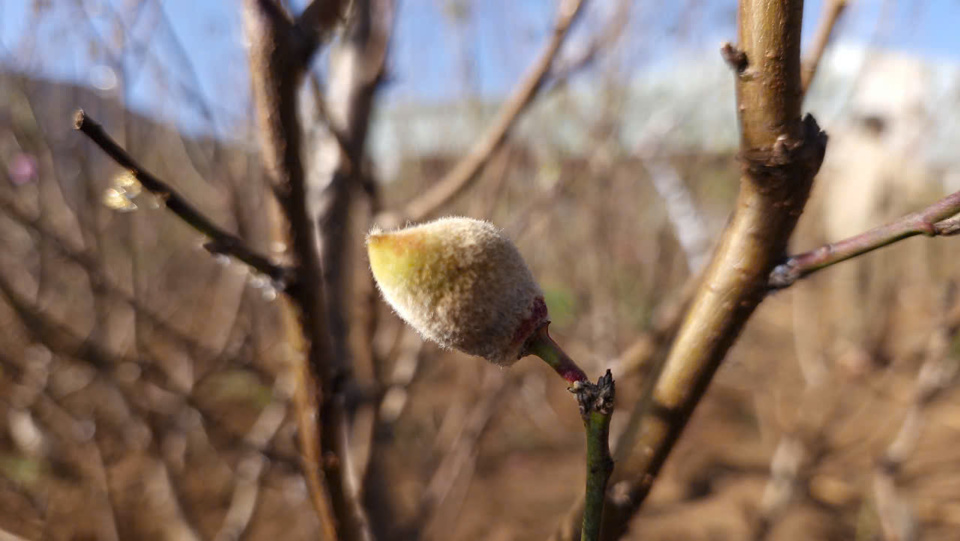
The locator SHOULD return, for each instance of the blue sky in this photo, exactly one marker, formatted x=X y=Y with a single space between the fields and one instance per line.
x=430 y=55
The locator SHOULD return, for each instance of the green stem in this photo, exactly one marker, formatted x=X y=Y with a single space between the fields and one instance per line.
x=599 y=464
x=596 y=408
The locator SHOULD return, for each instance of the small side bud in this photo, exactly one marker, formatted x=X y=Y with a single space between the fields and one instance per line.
x=461 y=283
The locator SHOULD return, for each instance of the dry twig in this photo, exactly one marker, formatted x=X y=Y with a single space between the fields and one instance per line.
x=250 y=467
x=221 y=242
x=832 y=9
x=897 y=520
x=466 y=170
x=278 y=58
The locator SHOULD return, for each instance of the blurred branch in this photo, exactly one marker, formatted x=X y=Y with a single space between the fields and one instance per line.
x=319 y=17
x=644 y=358
x=612 y=31
x=687 y=220
x=897 y=520
x=461 y=455
x=938 y=220
x=278 y=60
x=466 y=170
x=250 y=467
x=62 y=340
x=781 y=153
x=794 y=457
x=357 y=65
x=6 y=535
x=832 y=9
x=102 y=282
x=221 y=242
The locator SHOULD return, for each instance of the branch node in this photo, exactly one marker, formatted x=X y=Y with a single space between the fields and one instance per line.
x=788 y=157
x=595 y=397
x=734 y=57
x=784 y=275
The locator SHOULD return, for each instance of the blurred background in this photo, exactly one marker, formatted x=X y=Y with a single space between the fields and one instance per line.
x=145 y=386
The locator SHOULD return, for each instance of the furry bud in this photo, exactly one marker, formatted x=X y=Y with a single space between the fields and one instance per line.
x=461 y=283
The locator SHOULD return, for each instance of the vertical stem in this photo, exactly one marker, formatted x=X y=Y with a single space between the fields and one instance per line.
x=599 y=467
x=596 y=409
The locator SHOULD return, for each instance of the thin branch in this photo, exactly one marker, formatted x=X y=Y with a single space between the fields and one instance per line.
x=643 y=358
x=832 y=9
x=596 y=409
x=247 y=475
x=461 y=452
x=897 y=520
x=940 y=219
x=794 y=458
x=221 y=242
x=467 y=169
x=781 y=153
x=602 y=39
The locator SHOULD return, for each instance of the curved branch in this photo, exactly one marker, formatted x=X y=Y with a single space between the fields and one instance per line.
x=465 y=171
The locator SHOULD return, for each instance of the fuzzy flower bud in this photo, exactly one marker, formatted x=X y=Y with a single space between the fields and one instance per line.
x=461 y=283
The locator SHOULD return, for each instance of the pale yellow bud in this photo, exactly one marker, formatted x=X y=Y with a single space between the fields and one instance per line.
x=461 y=283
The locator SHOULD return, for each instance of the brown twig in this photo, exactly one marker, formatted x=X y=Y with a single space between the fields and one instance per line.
x=832 y=9
x=898 y=522
x=357 y=67
x=278 y=58
x=221 y=242
x=780 y=154
x=602 y=39
x=795 y=458
x=937 y=220
x=461 y=454
x=251 y=464
x=466 y=170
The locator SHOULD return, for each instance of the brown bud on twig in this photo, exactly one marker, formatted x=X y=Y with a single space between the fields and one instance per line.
x=461 y=283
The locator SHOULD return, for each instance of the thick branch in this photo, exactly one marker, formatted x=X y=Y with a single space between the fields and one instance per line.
x=221 y=242
x=832 y=10
x=277 y=64
x=357 y=65
x=465 y=171
x=938 y=220
x=781 y=154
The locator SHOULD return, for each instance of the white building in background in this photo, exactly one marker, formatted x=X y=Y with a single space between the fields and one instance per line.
x=918 y=101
